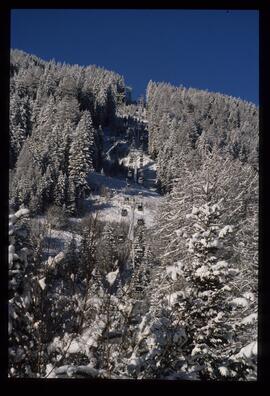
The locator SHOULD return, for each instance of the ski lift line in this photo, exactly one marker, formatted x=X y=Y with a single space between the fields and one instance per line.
x=113 y=146
x=131 y=226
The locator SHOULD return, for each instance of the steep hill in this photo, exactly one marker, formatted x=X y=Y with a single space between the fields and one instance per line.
x=133 y=228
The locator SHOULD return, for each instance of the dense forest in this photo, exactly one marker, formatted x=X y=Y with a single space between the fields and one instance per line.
x=133 y=228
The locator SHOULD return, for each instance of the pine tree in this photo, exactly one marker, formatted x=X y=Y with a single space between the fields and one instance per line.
x=203 y=211
x=26 y=329
x=20 y=125
x=206 y=309
x=81 y=155
x=61 y=189
x=108 y=250
x=71 y=197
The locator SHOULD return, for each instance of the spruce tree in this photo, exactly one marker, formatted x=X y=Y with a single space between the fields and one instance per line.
x=81 y=155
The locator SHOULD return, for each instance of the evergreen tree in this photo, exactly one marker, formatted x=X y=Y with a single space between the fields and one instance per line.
x=202 y=215
x=61 y=189
x=108 y=250
x=81 y=156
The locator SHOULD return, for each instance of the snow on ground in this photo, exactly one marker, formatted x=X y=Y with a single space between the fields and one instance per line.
x=109 y=208
x=115 y=146
x=58 y=240
x=249 y=351
x=110 y=203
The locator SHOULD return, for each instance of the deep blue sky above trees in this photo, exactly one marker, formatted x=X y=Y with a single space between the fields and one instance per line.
x=213 y=50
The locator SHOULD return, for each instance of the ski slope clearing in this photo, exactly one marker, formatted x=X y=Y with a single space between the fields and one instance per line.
x=117 y=195
x=109 y=207
x=110 y=195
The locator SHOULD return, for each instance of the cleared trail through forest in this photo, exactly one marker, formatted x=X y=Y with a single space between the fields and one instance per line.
x=132 y=199
x=112 y=194
x=117 y=199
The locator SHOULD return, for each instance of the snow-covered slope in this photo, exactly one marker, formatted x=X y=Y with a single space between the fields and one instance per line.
x=109 y=208
x=110 y=203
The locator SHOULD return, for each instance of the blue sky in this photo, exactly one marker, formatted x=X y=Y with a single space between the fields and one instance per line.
x=213 y=50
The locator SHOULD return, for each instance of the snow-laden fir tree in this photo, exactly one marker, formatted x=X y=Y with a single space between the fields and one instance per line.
x=81 y=154
x=20 y=125
x=26 y=324
x=199 y=228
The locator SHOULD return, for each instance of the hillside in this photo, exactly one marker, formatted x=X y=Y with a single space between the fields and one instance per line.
x=133 y=228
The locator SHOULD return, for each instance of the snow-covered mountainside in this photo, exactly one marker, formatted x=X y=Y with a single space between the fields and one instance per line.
x=140 y=201
x=133 y=228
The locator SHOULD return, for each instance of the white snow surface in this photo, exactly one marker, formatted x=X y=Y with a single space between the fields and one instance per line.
x=223 y=371
x=58 y=240
x=249 y=296
x=250 y=319
x=111 y=276
x=22 y=212
x=174 y=270
x=42 y=283
x=173 y=297
x=220 y=265
x=109 y=208
x=240 y=302
x=202 y=272
x=249 y=351
x=225 y=230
